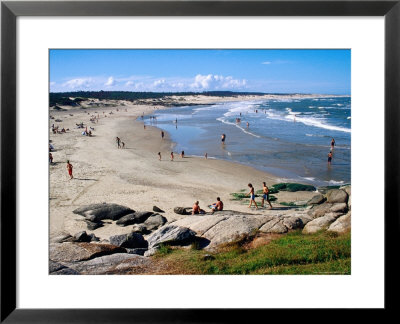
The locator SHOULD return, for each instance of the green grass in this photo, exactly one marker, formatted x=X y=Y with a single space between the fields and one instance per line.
x=294 y=253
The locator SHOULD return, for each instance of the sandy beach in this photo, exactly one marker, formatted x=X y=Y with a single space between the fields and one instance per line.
x=133 y=176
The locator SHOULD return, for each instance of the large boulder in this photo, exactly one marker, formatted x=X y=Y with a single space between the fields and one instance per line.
x=316 y=200
x=170 y=234
x=154 y=222
x=319 y=210
x=342 y=224
x=119 y=263
x=98 y=212
x=293 y=222
x=320 y=223
x=339 y=208
x=181 y=211
x=133 y=218
x=337 y=196
x=72 y=252
x=131 y=240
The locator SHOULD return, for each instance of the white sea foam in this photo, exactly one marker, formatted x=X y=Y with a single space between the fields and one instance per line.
x=225 y=121
x=334 y=182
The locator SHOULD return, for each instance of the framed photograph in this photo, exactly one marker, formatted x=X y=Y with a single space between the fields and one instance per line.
x=198 y=152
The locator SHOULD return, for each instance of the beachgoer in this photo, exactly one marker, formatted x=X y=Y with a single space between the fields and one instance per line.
x=265 y=196
x=123 y=145
x=144 y=126
x=196 y=209
x=69 y=168
x=218 y=206
x=252 y=195
x=223 y=137
x=159 y=156
x=162 y=134
x=206 y=155
x=172 y=156
x=247 y=124
x=332 y=144
x=50 y=157
x=329 y=158
x=182 y=154
x=118 y=140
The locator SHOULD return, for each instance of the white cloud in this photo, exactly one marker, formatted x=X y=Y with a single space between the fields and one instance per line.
x=78 y=83
x=110 y=82
x=129 y=83
x=216 y=82
x=266 y=62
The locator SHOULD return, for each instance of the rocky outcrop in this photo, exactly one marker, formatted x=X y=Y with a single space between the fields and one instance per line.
x=181 y=210
x=98 y=212
x=154 y=222
x=336 y=196
x=320 y=223
x=170 y=234
x=316 y=200
x=73 y=252
x=133 y=218
x=131 y=240
x=341 y=225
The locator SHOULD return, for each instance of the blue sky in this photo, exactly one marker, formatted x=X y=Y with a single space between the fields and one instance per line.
x=276 y=71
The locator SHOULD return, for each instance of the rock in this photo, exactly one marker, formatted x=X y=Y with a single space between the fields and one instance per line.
x=278 y=228
x=154 y=222
x=181 y=211
x=158 y=210
x=119 y=263
x=320 y=223
x=131 y=240
x=341 y=225
x=140 y=228
x=93 y=238
x=72 y=252
x=349 y=203
x=98 y=212
x=151 y=251
x=170 y=234
x=82 y=237
x=316 y=200
x=133 y=218
x=139 y=251
x=337 y=196
x=292 y=223
x=339 y=208
x=55 y=266
x=319 y=210
x=91 y=226
x=65 y=271
x=346 y=188
x=305 y=219
x=62 y=237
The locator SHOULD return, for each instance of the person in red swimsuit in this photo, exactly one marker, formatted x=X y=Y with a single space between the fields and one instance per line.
x=69 y=168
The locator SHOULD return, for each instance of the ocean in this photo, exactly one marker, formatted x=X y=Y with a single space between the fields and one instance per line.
x=289 y=138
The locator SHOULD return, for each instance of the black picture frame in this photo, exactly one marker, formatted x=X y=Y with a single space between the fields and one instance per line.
x=10 y=10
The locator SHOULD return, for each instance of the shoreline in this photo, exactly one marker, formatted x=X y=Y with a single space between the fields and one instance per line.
x=133 y=176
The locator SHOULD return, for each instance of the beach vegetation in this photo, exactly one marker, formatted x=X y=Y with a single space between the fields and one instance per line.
x=293 y=253
x=293 y=187
x=291 y=204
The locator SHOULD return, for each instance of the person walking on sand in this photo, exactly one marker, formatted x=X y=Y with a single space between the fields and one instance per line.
x=123 y=145
x=329 y=158
x=182 y=154
x=206 y=155
x=159 y=156
x=265 y=196
x=196 y=209
x=218 y=206
x=162 y=134
x=332 y=144
x=172 y=156
x=50 y=158
x=252 y=195
x=118 y=140
x=69 y=168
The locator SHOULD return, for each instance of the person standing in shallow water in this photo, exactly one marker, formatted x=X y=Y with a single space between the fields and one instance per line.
x=329 y=158
x=69 y=168
x=159 y=156
x=252 y=195
x=332 y=144
x=223 y=137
